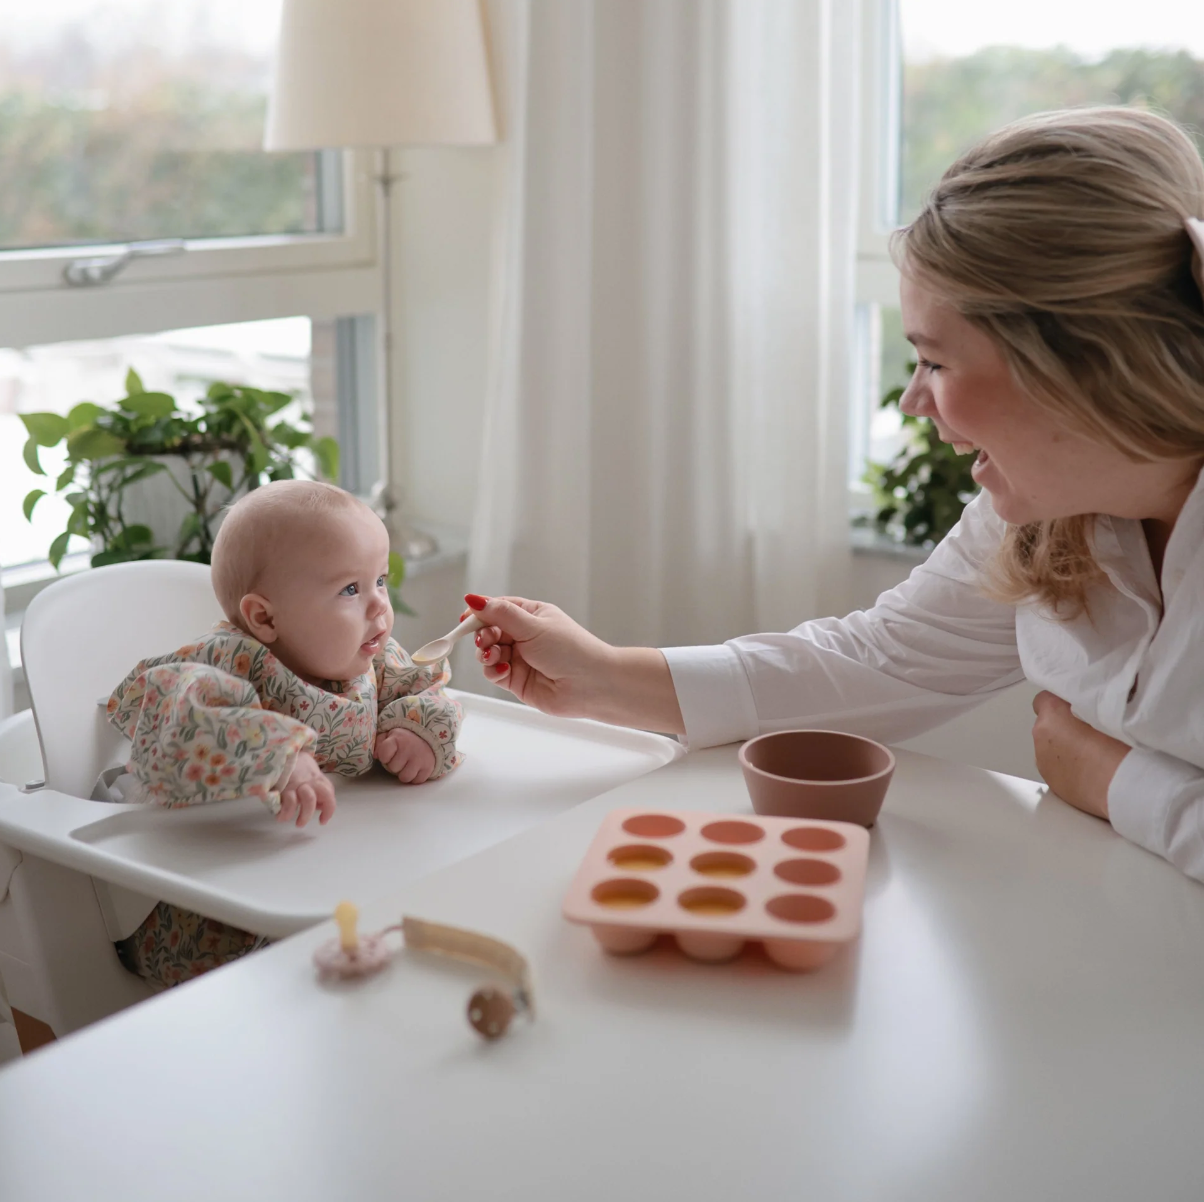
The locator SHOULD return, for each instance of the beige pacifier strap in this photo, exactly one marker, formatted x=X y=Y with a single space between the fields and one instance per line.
x=474 y=948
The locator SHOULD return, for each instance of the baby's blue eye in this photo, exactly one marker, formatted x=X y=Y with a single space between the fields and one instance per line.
x=351 y=590
x=380 y=581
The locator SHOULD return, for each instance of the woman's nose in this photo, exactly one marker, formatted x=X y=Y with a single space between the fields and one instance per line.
x=916 y=400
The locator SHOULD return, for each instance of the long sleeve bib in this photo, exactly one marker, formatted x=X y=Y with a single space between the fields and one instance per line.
x=223 y=718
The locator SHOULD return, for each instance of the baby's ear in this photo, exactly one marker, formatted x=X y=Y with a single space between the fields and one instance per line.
x=258 y=618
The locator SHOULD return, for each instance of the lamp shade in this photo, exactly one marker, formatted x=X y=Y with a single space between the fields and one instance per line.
x=380 y=73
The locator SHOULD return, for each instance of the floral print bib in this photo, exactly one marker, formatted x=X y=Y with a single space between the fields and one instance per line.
x=224 y=718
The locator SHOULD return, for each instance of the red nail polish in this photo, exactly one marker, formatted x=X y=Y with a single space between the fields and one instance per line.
x=475 y=601
x=477 y=640
x=503 y=668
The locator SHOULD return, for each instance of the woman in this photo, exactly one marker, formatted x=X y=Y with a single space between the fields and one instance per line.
x=1053 y=290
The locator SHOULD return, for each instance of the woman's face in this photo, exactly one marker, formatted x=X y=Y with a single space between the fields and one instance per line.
x=1034 y=468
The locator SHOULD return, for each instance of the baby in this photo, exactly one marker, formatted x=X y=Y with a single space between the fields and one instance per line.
x=301 y=680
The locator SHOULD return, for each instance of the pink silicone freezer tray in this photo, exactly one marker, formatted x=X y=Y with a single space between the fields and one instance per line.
x=715 y=881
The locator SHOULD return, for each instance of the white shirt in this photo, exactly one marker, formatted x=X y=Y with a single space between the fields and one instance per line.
x=935 y=646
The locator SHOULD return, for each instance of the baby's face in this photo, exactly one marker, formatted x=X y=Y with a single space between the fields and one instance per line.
x=330 y=597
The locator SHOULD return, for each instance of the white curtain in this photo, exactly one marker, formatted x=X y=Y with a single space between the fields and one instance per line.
x=665 y=427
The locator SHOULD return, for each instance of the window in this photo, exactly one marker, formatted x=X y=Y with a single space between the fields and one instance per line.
x=134 y=125
x=140 y=120
x=123 y=121
x=940 y=74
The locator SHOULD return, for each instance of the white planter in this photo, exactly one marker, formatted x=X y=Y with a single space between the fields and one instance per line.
x=157 y=503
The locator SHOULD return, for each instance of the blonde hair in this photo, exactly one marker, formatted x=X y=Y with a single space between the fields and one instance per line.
x=1062 y=237
x=259 y=525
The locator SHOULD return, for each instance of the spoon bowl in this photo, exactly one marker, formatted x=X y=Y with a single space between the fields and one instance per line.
x=437 y=649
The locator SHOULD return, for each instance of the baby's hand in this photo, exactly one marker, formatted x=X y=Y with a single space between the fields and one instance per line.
x=408 y=757
x=306 y=790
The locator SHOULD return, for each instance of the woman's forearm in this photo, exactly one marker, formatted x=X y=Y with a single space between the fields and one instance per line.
x=635 y=688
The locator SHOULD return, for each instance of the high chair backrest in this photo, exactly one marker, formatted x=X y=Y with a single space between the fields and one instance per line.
x=83 y=634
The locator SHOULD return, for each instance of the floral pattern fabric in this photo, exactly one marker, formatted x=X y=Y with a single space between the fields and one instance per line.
x=174 y=945
x=224 y=718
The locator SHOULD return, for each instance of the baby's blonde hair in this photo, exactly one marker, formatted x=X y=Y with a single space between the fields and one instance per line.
x=1062 y=237
x=256 y=527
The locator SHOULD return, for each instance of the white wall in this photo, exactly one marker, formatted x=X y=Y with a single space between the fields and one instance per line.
x=444 y=218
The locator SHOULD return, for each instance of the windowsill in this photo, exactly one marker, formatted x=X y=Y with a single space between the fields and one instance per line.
x=865 y=540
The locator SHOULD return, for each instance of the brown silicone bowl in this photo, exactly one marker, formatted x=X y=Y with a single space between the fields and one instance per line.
x=817 y=774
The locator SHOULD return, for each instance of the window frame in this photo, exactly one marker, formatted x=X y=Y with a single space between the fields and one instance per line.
x=327 y=275
x=877 y=278
x=215 y=281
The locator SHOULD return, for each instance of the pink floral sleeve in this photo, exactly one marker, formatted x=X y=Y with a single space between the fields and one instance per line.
x=200 y=734
x=412 y=698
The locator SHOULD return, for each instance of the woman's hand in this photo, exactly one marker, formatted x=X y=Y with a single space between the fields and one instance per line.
x=547 y=660
x=1076 y=761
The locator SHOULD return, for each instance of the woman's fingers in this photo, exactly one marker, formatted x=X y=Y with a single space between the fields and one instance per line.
x=518 y=621
x=487 y=638
x=497 y=654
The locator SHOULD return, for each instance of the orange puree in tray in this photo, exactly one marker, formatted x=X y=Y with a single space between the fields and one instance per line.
x=637 y=863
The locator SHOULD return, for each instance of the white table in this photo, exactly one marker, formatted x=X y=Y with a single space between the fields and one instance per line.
x=1023 y=1018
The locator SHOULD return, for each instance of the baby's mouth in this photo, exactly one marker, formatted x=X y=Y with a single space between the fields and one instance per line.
x=374 y=644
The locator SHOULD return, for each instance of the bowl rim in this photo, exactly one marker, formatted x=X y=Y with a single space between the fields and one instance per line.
x=803 y=780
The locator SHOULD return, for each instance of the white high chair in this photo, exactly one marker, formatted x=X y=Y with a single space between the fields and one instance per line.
x=79 y=638
x=76 y=874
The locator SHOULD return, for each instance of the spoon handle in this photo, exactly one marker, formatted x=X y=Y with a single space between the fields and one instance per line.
x=470 y=624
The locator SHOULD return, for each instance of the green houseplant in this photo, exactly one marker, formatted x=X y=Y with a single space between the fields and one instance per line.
x=920 y=494
x=232 y=442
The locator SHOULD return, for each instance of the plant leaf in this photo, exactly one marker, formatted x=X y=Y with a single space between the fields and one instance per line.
x=45 y=429
x=326 y=451
x=102 y=559
x=83 y=414
x=131 y=538
x=66 y=479
x=290 y=436
x=221 y=472
x=142 y=471
x=397 y=569
x=58 y=549
x=30 y=454
x=149 y=404
x=133 y=382
x=92 y=443
x=31 y=499
x=79 y=522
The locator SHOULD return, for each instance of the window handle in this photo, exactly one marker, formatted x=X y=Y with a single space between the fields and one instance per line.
x=100 y=269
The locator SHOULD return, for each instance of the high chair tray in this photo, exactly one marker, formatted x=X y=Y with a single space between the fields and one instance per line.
x=232 y=862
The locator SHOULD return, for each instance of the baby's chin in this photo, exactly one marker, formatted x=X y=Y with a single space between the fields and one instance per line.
x=322 y=674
